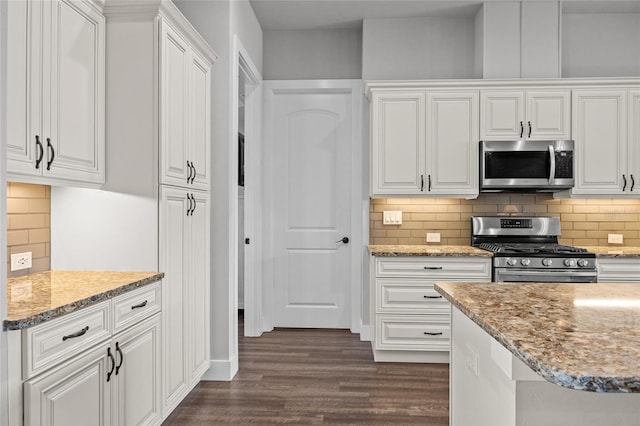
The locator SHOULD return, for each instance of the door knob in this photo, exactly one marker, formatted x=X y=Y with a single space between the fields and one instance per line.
x=344 y=240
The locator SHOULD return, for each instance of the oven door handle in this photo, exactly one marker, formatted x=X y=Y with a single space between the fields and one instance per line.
x=556 y=275
x=552 y=168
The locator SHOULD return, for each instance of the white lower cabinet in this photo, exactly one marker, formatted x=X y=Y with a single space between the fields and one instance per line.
x=116 y=381
x=619 y=270
x=412 y=321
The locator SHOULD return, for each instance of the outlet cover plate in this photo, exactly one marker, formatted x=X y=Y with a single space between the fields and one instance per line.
x=433 y=237
x=615 y=238
x=20 y=261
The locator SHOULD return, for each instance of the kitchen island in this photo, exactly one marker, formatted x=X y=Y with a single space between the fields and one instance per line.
x=544 y=354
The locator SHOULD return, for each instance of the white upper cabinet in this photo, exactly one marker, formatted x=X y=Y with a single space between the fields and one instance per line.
x=525 y=114
x=185 y=104
x=634 y=142
x=452 y=143
x=398 y=138
x=56 y=81
x=600 y=132
x=424 y=143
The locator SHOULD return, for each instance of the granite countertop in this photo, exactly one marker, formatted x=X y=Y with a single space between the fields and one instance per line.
x=580 y=336
x=420 y=250
x=612 y=252
x=33 y=299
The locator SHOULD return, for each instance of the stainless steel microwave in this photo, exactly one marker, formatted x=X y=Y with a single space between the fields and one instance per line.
x=526 y=166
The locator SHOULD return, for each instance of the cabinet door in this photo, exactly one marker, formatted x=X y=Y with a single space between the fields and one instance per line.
x=73 y=136
x=174 y=106
x=548 y=115
x=398 y=143
x=452 y=143
x=136 y=397
x=502 y=115
x=173 y=257
x=634 y=142
x=198 y=287
x=76 y=393
x=599 y=127
x=24 y=79
x=200 y=113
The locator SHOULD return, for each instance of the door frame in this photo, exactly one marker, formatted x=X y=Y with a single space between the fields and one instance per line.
x=272 y=88
x=242 y=63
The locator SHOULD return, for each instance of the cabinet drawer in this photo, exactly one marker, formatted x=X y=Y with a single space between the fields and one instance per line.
x=619 y=270
x=412 y=332
x=436 y=268
x=409 y=296
x=132 y=307
x=55 y=341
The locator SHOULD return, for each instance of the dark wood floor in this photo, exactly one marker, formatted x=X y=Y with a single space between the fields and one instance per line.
x=318 y=376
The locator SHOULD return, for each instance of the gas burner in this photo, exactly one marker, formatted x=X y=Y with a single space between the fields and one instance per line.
x=529 y=248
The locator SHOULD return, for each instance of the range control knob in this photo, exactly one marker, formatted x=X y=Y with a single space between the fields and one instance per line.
x=583 y=262
x=570 y=263
x=547 y=262
x=525 y=262
x=512 y=262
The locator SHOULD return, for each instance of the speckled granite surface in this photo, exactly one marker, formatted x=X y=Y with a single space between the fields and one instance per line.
x=418 y=250
x=36 y=298
x=580 y=336
x=610 y=252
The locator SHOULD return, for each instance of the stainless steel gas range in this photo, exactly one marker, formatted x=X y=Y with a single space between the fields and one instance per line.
x=526 y=249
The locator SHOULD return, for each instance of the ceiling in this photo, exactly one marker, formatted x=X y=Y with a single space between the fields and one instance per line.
x=348 y=14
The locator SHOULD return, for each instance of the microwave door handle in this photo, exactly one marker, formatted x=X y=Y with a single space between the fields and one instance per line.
x=552 y=169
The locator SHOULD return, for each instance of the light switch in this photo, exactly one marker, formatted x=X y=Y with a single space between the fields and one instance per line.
x=392 y=217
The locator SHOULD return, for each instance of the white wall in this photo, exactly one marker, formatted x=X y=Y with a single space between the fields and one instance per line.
x=312 y=54
x=4 y=417
x=217 y=22
x=418 y=48
x=600 y=45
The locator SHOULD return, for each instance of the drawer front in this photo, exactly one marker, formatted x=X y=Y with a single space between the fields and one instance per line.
x=134 y=306
x=436 y=268
x=409 y=296
x=413 y=333
x=619 y=270
x=59 y=339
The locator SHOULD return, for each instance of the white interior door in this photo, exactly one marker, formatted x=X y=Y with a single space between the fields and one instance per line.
x=312 y=137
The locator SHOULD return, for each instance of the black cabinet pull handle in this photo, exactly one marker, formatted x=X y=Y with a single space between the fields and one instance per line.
x=139 y=305
x=113 y=364
x=624 y=179
x=189 y=171
x=119 y=351
x=433 y=267
x=195 y=204
x=40 y=149
x=429 y=183
x=189 y=206
x=529 y=129
x=433 y=334
x=53 y=153
x=76 y=334
x=521 y=129
x=421 y=183
x=432 y=297
x=195 y=172
x=633 y=183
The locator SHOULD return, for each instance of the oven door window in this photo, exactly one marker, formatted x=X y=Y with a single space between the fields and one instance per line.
x=517 y=164
x=546 y=276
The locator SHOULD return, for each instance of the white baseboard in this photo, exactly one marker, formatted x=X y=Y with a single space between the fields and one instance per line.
x=221 y=370
x=365 y=333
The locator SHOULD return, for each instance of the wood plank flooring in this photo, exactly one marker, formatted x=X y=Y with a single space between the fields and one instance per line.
x=313 y=376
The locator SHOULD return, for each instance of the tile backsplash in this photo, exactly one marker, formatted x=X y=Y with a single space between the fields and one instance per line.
x=29 y=225
x=584 y=222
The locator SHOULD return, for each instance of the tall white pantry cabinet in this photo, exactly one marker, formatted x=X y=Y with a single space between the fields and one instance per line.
x=158 y=121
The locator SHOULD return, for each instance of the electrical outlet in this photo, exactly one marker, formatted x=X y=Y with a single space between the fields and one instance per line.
x=433 y=237
x=615 y=239
x=20 y=261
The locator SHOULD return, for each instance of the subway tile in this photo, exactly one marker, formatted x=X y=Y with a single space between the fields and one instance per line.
x=26 y=221
x=37 y=250
x=583 y=225
x=560 y=208
x=534 y=208
x=485 y=208
x=17 y=205
x=25 y=190
x=584 y=242
x=17 y=237
x=572 y=217
x=40 y=265
x=398 y=233
x=39 y=205
x=411 y=225
x=42 y=235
